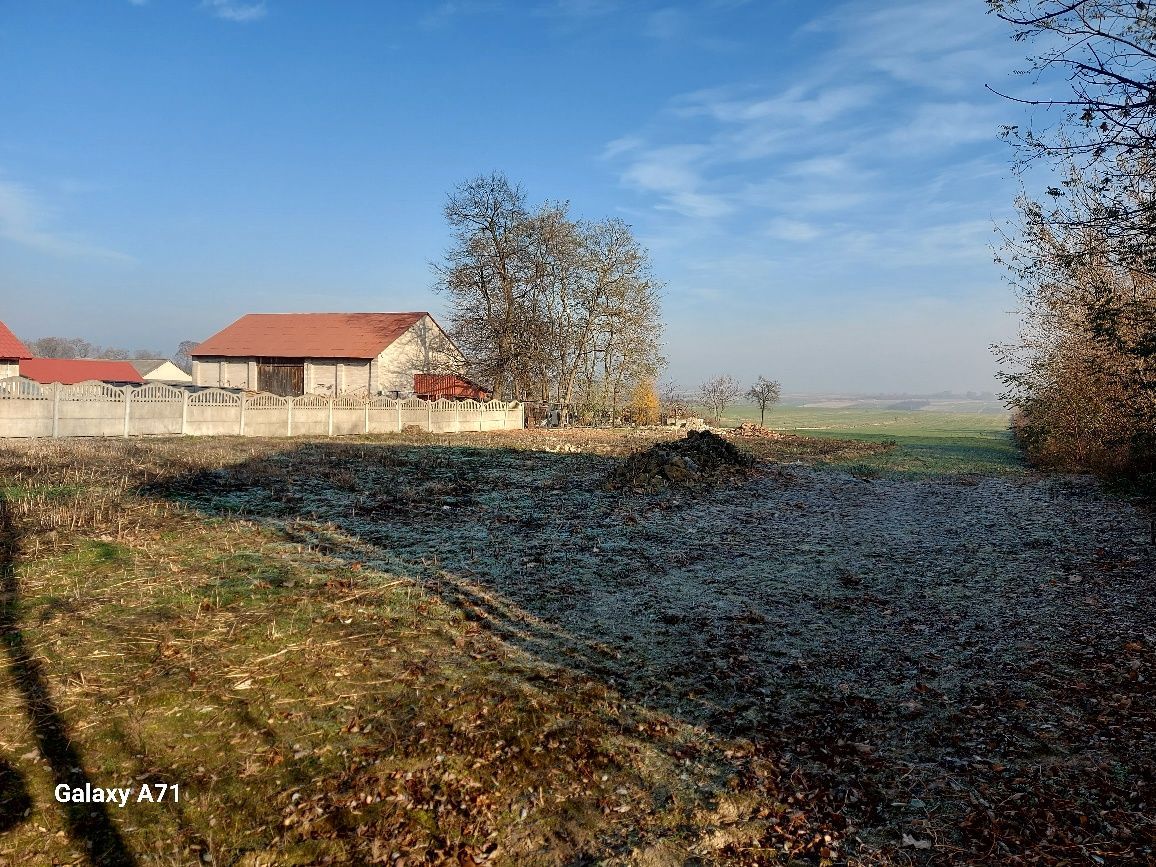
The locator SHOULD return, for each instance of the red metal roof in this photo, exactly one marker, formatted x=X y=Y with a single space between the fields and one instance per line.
x=10 y=347
x=309 y=335
x=434 y=386
x=69 y=371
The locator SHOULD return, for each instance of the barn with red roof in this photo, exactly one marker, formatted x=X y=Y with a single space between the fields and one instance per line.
x=12 y=352
x=326 y=353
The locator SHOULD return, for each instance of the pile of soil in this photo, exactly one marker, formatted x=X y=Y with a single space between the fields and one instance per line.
x=750 y=429
x=701 y=458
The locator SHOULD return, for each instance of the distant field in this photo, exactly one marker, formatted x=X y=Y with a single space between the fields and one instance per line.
x=929 y=442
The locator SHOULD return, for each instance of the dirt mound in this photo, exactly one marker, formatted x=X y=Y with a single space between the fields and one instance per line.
x=701 y=458
x=750 y=429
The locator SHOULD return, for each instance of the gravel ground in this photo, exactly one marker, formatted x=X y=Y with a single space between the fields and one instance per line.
x=925 y=643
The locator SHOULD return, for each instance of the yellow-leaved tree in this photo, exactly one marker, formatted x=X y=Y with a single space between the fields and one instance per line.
x=644 y=405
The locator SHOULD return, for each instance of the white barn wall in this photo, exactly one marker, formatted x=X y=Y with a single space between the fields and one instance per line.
x=167 y=372
x=423 y=348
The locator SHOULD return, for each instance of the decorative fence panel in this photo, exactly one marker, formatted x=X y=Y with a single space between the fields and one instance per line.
x=155 y=410
x=415 y=413
x=311 y=415
x=27 y=409
x=266 y=415
x=96 y=409
x=384 y=415
x=349 y=416
x=91 y=409
x=212 y=413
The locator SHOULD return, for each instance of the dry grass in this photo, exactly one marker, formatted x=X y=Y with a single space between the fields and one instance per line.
x=317 y=711
x=394 y=650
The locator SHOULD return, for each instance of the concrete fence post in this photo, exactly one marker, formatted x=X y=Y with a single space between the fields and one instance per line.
x=366 y=416
x=127 y=390
x=184 y=412
x=241 y=419
x=331 y=399
x=288 y=416
x=399 y=416
x=56 y=409
x=429 y=416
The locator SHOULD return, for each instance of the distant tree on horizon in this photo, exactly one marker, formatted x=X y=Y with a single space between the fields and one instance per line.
x=78 y=347
x=765 y=392
x=717 y=394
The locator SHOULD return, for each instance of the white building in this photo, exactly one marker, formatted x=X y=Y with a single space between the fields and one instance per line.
x=160 y=370
x=326 y=353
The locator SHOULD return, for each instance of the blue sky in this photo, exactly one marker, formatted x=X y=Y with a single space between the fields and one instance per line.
x=817 y=182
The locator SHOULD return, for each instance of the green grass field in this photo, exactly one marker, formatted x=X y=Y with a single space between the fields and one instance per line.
x=928 y=443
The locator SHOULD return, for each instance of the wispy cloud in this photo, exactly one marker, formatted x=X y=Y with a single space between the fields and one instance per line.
x=666 y=24
x=837 y=143
x=234 y=10
x=938 y=46
x=672 y=174
x=583 y=8
x=24 y=220
x=449 y=11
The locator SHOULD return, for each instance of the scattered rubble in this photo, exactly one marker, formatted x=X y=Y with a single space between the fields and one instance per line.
x=701 y=457
x=750 y=429
x=683 y=423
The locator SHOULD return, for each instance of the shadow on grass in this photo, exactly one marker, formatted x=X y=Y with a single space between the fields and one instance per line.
x=89 y=825
x=15 y=802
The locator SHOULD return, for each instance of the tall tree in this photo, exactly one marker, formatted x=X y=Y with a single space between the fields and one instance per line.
x=545 y=306
x=1083 y=257
x=484 y=274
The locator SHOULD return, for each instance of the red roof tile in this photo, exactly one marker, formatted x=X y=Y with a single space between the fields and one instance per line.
x=68 y=371
x=309 y=335
x=10 y=347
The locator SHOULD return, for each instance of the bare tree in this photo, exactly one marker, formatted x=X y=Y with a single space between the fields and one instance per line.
x=484 y=274
x=673 y=401
x=182 y=357
x=717 y=394
x=1103 y=52
x=765 y=392
x=1083 y=257
x=1083 y=372
x=63 y=347
x=547 y=307
x=1097 y=59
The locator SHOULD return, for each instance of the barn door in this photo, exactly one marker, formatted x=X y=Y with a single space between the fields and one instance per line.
x=279 y=376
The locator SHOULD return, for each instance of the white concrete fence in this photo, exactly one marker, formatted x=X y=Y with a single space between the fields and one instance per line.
x=94 y=409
